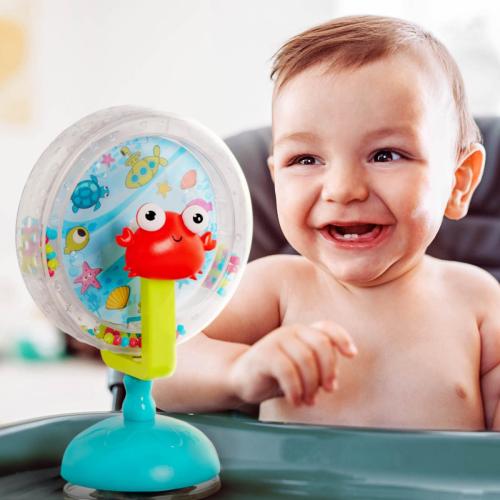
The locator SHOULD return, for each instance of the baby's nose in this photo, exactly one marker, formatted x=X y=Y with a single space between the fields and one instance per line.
x=344 y=182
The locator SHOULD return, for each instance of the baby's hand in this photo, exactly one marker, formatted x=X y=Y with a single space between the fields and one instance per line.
x=294 y=361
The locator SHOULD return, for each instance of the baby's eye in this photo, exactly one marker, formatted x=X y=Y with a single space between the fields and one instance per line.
x=304 y=160
x=385 y=155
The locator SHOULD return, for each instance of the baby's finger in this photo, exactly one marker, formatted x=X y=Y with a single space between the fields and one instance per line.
x=306 y=362
x=285 y=372
x=339 y=337
x=326 y=354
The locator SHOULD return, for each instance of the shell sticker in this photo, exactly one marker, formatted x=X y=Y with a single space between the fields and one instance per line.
x=118 y=298
x=188 y=180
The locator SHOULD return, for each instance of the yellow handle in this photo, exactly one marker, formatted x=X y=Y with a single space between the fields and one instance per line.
x=158 y=334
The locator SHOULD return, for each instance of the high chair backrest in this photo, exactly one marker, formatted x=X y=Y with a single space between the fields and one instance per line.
x=474 y=239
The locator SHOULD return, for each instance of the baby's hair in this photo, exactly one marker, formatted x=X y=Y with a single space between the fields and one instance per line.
x=351 y=42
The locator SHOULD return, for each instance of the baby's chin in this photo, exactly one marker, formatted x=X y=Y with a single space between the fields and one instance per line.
x=358 y=274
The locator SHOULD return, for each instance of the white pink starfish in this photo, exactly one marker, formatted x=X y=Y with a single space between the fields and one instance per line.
x=88 y=277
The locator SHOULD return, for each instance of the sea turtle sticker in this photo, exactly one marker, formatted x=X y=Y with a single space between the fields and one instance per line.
x=88 y=194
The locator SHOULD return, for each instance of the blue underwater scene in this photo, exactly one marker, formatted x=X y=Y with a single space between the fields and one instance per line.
x=103 y=202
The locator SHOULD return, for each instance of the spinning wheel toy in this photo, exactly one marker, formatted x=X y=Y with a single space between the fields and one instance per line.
x=132 y=234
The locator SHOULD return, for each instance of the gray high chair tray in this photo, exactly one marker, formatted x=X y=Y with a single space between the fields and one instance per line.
x=272 y=461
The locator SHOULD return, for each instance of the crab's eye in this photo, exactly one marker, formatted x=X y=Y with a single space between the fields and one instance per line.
x=150 y=217
x=195 y=219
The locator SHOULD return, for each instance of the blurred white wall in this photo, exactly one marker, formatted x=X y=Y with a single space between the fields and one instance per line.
x=468 y=29
x=208 y=59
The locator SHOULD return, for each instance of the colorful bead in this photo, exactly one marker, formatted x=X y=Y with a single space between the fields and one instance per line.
x=116 y=337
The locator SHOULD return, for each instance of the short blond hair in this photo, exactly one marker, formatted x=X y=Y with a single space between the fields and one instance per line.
x=350 y=42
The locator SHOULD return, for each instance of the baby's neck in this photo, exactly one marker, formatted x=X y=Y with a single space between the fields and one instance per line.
x=394 y=280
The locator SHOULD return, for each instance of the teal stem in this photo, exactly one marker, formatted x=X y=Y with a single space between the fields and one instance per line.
x=139 y=405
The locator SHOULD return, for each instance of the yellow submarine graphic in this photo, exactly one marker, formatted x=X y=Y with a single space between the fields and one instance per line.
x=142 y=170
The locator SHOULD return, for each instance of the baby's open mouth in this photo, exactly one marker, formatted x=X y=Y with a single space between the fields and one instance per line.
x=359 y=231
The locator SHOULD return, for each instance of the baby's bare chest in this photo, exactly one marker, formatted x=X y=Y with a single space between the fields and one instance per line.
x=409 y=325
x=417 y=365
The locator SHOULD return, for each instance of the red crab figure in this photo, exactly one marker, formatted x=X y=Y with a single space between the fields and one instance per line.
x=167 y=245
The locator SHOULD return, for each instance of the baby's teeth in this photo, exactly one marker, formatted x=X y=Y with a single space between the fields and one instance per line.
x=350 y=236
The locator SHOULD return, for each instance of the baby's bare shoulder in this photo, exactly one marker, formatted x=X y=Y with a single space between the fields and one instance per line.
x=481 y=293
x=278 y=262
x=278 y=270
x=468 y=280
x=258 y=303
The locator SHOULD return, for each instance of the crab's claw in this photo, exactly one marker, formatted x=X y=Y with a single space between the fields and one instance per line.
x=125 y=238
x=208 y=243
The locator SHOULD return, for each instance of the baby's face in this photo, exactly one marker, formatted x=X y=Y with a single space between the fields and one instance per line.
x=373 y=148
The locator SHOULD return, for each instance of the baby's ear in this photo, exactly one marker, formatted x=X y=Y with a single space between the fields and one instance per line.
x=270 y=165
x=468 y=173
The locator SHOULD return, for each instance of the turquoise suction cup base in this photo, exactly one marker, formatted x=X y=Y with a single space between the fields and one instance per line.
x=74 y=492
x=140 y=452
x=119 y=455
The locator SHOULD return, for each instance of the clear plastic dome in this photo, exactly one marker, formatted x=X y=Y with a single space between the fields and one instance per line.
x=88 y=185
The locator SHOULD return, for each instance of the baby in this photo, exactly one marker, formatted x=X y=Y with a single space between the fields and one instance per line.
x=373 y=143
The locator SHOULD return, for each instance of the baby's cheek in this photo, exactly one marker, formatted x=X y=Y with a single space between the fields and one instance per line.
x=287 y=211
x=292 y=216
x=426 y=213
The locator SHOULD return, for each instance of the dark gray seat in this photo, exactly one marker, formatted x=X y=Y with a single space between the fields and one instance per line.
x=474 y=239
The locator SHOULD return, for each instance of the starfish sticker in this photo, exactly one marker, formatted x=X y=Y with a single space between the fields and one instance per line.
x=88 y=277
x=107 y=159
x=163 y=189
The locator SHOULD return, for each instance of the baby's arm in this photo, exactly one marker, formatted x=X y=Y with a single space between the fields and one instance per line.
x=201 y=382
x=489 y=328
x=245 y=356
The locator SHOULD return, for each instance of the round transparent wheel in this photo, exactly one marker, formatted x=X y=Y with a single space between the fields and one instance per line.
x=88 y=185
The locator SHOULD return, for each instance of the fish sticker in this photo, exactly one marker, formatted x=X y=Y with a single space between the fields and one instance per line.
x=77 y=239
